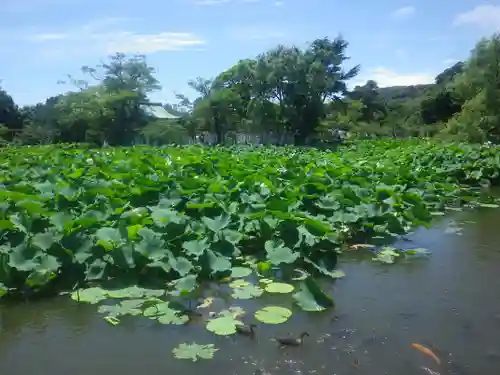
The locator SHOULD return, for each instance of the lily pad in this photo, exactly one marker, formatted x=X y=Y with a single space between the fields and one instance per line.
x=488 y=205
x=223 y=326
x=238 y=284
x=194 y=351
x=134 y=292
x=164 y=314
x=247 y=292
x=89 y=295
x=279 y=288
x=387 y=255
x=237 y=272
x=273 y=315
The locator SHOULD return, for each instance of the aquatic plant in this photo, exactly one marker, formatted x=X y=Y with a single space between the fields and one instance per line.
x=140 y=230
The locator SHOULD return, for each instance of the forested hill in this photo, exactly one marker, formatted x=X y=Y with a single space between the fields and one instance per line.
x=404 y=92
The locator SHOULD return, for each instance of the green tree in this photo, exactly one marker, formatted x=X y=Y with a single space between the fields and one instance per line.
x=10 y=115
x=479 y=87
x=124 y=83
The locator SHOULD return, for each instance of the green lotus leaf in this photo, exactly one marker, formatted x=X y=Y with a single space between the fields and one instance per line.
x=279 y=288
x=237 y=272
x=311 y=297
x=247 y=292
x=238 y=284
x=273 y=315
x=164 y=314
x=194 y=352
x=277 y=253
x=89 y=295
x=223 y=326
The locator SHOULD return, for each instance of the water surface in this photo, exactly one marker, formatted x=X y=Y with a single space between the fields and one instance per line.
x=450 y=302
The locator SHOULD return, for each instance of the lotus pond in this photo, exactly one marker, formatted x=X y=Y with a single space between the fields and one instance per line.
x=179 y=246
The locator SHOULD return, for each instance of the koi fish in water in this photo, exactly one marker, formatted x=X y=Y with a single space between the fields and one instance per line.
x=426 y=351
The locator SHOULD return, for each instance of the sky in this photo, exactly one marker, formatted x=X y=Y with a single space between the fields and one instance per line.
x=396 y=42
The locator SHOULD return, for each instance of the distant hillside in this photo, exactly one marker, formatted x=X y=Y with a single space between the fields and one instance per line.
x=404 y=92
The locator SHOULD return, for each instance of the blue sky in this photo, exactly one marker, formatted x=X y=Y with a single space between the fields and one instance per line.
x=395 y=41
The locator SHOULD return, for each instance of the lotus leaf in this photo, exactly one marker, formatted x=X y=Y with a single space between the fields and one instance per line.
x=273 y=314
x=223 y=326
x=238 y=284
x=195 y=248
x=311 y=297
x=277 y=253
x=488 y=205
x=240 y=272
x=90 y=215
x=164 y=314
x=279 y=288
x=247 y=292
x=387 y=255
x=89 y=295
x=194 y=352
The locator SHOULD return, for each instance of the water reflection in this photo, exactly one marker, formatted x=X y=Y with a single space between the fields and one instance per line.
x=448 y=303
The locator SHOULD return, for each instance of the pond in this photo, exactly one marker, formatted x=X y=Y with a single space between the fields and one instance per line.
x=448 y=302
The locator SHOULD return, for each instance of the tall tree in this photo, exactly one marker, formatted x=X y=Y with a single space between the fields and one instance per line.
x=479 y=87
x=10 y=116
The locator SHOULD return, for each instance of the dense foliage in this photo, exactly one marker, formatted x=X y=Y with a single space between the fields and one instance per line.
x=149 y=215
x=287 y=95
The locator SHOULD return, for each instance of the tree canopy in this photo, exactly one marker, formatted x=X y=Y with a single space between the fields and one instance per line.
x=281 y=96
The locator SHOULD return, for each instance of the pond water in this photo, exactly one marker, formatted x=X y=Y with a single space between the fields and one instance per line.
x=449 y=302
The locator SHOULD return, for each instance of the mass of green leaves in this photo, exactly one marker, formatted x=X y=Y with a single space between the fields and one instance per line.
x=75 y=217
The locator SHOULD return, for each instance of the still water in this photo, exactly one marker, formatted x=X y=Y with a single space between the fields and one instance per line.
x=449 y=302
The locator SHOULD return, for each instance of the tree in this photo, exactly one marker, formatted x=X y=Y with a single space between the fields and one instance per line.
x=479 y=87
x=124 y=83
x=10 y=116
x=375 y=108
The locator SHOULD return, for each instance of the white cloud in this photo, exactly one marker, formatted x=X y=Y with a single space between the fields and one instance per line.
x=387 y=77
x=403 y=12
x=149 y=43
x=279 y=3
x=105 y=36
x=484 y=16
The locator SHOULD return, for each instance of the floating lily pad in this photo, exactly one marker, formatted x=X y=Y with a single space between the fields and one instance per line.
x=194 y=352
x=134 y=292
x=387 y=255
x=89 y=295
x=273 y=315
x=240 y=272
x=279 y=288
x=164 y=314
x=247 y=292
x=238 y=284
x=488 y=205
x=223 y=326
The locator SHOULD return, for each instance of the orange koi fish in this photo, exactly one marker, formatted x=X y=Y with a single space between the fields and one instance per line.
x=426 y=351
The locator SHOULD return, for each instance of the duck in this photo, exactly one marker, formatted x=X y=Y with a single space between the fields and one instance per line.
x=292 y=341
x=246 y=330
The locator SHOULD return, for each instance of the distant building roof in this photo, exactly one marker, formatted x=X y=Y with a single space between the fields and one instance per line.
x=157 y=110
